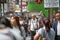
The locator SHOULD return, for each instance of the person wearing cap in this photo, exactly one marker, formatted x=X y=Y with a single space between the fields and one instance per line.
x=45 y=33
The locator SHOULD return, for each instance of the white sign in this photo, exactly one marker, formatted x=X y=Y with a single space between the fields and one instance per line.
x=51 y=3
x=5 y=7
x=17 y=9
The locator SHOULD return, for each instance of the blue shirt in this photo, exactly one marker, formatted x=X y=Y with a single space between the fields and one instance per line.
x=48 y=35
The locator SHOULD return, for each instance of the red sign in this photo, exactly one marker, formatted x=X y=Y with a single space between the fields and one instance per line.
x=39 y=1
x=23 y=3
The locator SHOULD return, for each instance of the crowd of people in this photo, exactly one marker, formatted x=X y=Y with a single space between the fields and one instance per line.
x=18 y=28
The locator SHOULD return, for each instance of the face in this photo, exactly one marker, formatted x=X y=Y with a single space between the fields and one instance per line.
x=27 y=15
x=33 y=16
x=21 y=22
x=13 y=21
x=47 y=29
x=58 y=16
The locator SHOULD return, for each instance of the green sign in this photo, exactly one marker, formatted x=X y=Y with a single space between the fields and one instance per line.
x=37 y=7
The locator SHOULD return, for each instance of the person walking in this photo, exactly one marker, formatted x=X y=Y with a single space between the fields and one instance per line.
x=33 y=26
x=46 y=32
x=16 y=28
x=56 y=26
x=5 y=33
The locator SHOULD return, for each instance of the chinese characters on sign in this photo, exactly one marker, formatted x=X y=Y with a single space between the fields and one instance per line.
x=51 y=3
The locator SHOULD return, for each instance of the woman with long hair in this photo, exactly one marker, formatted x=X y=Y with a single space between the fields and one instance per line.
x=16 y=28
x=15 y=22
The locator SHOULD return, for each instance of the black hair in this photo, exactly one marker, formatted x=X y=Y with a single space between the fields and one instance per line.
x=5 y=22
x=57 y=12
x=46 y=22
x=17 y=21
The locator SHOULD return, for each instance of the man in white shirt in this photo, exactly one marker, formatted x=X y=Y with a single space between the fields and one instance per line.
x=33 y=26
x=56 y=26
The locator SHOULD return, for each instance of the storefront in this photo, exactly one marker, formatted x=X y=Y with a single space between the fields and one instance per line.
x=3 y=7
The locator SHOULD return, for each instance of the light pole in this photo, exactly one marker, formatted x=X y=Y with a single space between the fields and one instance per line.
x=21 y=7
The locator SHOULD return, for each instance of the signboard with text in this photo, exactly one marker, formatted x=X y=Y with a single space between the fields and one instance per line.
x=51 y=3
x=24 y=6
x=17 y=9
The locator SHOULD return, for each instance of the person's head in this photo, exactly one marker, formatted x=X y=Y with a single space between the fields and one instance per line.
x=57 y=16
x=46 y=23
x=23 y=21
x=33 y=16
x=27 y=15
x=4 y=23
x=15 y=21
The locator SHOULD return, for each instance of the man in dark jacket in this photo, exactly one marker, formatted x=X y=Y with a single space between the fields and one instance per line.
x=56 y=26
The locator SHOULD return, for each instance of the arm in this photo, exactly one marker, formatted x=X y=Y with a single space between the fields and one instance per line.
x=38 y=34
x=36 y=37
x=53 y=34
x=53 y=26
x=28 y=28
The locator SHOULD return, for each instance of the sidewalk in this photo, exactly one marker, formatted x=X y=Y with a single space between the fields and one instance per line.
x=28 y=38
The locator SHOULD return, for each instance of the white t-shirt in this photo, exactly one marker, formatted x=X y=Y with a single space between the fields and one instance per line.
x=32 y=24
x=58 y=28
x=49 y=36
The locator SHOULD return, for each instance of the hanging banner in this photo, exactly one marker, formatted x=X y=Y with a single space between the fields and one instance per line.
x=51 y=3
